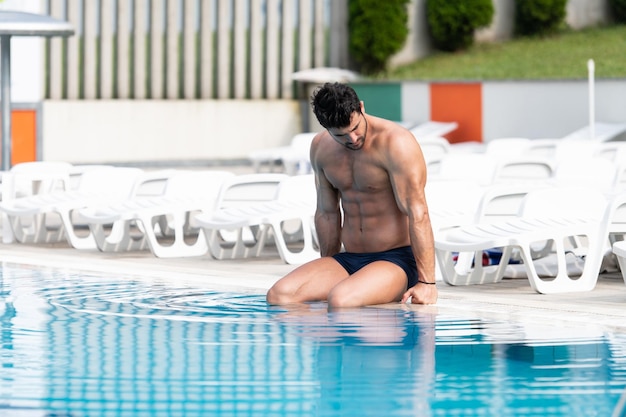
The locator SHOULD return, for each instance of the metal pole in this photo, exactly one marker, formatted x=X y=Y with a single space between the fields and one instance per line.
x=5 y=96
x=591 y=68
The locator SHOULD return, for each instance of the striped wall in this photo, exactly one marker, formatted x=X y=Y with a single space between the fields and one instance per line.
x=492 y=109
x=191 y=49
x=419 y=102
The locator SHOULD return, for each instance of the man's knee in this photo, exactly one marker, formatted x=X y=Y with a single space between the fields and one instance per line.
x=341 y=299
x=279 y=294
x=273 y=296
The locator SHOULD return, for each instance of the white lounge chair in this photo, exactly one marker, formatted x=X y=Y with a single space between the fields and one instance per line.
x=557 y=149
x=507 y=147
x=434 y=150
x=544 y=148
x=521 y=159
x=241 y=190
x=28 y=178
x=432 y=129
x=552 y=214
x=617 y=233
x=452 y=203
x=458 y=202
x=613 y=151
x=523 y=169
x=602 y=132
x=509 y=158
x=575 y=149
x=48 y=217
x=477 y=167
x=294 y=158
x=297 y=159
x=514 y=161
x=158 y=222
x=590 y=170
x=286 y=216
x=619 y=249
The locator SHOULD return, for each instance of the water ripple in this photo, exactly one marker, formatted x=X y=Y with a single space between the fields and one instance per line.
x=157 y=302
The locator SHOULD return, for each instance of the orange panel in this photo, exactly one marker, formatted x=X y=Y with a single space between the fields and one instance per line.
x=24 y=133
x=461 y=103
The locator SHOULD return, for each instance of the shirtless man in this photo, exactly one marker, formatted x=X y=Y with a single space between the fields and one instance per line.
x=373 y=170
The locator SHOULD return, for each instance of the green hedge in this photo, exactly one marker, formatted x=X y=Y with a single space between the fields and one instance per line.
x=618 y=9
x=452 y=22
x=538 y=17
x=378 y=29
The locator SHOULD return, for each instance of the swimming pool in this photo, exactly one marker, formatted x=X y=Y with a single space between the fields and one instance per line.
x=89 y=344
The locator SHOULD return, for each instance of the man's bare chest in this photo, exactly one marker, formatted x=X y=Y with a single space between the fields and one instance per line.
x=358 y=176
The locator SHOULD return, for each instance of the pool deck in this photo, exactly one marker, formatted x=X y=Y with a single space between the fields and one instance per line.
x=603 y=308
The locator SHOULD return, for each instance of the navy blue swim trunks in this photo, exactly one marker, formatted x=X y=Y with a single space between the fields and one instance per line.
x=403 y=257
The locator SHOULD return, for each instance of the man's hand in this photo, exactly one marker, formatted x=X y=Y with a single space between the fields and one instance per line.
x=421 y=294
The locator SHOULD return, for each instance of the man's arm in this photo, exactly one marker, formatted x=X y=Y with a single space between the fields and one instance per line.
x=327 y=213
x=423 y=245
x=327 y=226
x=408 y=177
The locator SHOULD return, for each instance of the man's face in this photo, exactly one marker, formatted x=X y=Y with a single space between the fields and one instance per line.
x=352 y=136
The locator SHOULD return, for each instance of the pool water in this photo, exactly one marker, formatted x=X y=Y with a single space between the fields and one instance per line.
x=85 y=344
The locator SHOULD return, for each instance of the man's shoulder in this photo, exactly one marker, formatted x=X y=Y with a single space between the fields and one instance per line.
x=323 y=147
x=391 y=133
x=389 y=128
x=321 y=138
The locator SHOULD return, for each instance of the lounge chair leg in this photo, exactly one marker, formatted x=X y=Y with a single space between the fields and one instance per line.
x=467 y=274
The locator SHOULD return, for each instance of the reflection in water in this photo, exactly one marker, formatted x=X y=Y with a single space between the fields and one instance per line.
x=113 y=346
x=369 y=361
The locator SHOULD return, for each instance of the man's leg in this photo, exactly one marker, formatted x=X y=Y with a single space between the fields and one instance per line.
x=312 y=281
x=380 y=282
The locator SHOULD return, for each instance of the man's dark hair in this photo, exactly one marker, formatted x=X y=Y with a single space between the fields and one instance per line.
x=334 y=103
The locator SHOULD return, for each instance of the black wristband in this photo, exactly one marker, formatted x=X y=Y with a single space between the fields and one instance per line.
x=424 y=282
